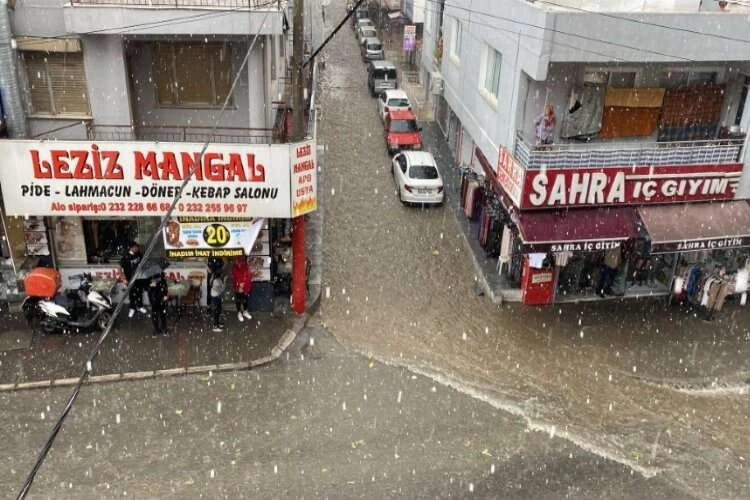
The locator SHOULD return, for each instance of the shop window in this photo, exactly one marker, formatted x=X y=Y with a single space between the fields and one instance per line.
x=192 y=74
x=56 y=83
x=490 y=76
x=107 y=240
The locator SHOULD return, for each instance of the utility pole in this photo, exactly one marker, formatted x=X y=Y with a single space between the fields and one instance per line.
x=299 y=130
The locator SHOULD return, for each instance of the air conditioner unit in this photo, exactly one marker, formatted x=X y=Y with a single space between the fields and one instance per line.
x=596 y=77
x=436 y=83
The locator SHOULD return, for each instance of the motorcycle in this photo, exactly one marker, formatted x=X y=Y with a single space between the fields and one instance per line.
x=75 y=310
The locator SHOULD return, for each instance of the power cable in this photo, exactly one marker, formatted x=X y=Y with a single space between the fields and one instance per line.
x=527 y=35
x=333 y=33
x=119 y=30
x=149 y=249
x=560 y=32
x=648 y=23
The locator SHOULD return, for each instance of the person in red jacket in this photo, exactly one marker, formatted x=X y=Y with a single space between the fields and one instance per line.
x=242 y=278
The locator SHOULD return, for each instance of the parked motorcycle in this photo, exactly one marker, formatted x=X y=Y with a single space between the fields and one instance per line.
x=49 y=311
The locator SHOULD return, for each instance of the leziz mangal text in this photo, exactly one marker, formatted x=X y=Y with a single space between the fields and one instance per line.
x=94 y=163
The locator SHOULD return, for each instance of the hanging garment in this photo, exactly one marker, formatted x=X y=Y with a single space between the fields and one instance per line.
x=741 y=279
x=536 y=260
x=705 y=296
x=506 y=244
x=612 y=258
x=584 y=114
x=721 y=296
x=562 y=258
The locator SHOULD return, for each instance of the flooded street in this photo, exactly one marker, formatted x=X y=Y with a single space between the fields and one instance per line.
x=646 y=386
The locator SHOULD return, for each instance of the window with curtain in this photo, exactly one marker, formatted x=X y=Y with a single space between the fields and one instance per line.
x=455 y=41
x=491 y=71
x=56 y=83
x=192 y=74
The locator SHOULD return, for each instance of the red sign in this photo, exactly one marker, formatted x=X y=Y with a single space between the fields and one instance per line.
x=510 y=175
x=641 y=185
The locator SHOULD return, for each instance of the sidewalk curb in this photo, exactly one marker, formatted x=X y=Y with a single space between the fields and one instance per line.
x=287 y=338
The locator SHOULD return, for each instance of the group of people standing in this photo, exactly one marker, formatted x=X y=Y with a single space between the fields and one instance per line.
x=158 y=295
x=242 y=282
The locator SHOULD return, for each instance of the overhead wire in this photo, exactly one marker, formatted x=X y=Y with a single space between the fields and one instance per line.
x=124 y=29
x=139 y=269
x=558 y=31
x=622 y=17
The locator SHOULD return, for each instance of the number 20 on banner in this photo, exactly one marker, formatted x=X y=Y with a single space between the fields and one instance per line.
x=216 y=235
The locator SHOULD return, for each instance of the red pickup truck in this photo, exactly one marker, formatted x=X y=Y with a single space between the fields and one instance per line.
x=401 y=131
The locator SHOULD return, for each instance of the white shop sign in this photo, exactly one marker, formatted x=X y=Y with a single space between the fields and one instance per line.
x=82 y=178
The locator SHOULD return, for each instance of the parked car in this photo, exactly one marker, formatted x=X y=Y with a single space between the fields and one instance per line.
x=417 y=178
x=401 y=131
x=392 y=100
x=366 y=31
x=372 y=50
x=363 y=23
x=381 y=75
x=360 y=13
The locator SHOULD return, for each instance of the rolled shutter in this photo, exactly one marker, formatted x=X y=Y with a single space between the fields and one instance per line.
x=68 y=82
x=36 y=74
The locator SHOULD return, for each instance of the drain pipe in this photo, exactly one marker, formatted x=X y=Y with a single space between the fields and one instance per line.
x=14 y=115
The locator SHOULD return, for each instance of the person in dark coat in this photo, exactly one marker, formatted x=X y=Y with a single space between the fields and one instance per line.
x=158 y=296
x=129 y=263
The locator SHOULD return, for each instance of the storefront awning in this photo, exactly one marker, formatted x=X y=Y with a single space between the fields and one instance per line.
x=697 y=226
x=577 y=230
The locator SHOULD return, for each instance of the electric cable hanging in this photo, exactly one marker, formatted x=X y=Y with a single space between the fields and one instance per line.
x=119 y=30
x=149 y=249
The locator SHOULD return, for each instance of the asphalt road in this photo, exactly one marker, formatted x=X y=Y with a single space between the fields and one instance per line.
x=324 y=423
x=653 y=388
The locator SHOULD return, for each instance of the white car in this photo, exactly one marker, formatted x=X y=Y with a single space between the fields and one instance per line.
x=417 y=178
x=392 y=100
x=366 y=31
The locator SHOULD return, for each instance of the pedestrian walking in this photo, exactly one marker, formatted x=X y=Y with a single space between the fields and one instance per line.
x=128 y=264
x=216 y=287
x=158 y=296
x=242 y=280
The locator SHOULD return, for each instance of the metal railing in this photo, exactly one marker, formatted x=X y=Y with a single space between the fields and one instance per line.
x=607 y=154
x=180 y=133
x=217 y=4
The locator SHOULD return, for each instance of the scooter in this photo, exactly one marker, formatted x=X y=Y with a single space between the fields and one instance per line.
x=81 y=309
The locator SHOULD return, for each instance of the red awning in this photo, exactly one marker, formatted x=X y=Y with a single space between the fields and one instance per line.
x=697 y=226
x=582 y=229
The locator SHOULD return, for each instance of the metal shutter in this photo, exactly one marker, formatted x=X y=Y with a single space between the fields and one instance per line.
x=68 y=82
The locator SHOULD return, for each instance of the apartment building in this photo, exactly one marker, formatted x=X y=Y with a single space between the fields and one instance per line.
x=608 y=137
x=133 y=88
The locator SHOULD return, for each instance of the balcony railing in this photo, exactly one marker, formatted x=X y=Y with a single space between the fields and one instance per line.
x=225 y=135
x=217 y=4
x=607 y=154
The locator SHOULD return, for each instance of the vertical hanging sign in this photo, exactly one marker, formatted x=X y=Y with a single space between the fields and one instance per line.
x=304 y=178
x=410 y=37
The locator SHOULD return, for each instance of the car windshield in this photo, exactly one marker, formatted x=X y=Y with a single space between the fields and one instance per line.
x=374 y=46
x=423 y=172
x=385 y=74
x=398 y=102
x=404 y=126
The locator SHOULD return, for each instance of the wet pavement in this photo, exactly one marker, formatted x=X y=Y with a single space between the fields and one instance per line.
x=131 y=348
x=318 y=424
x=649 y=386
